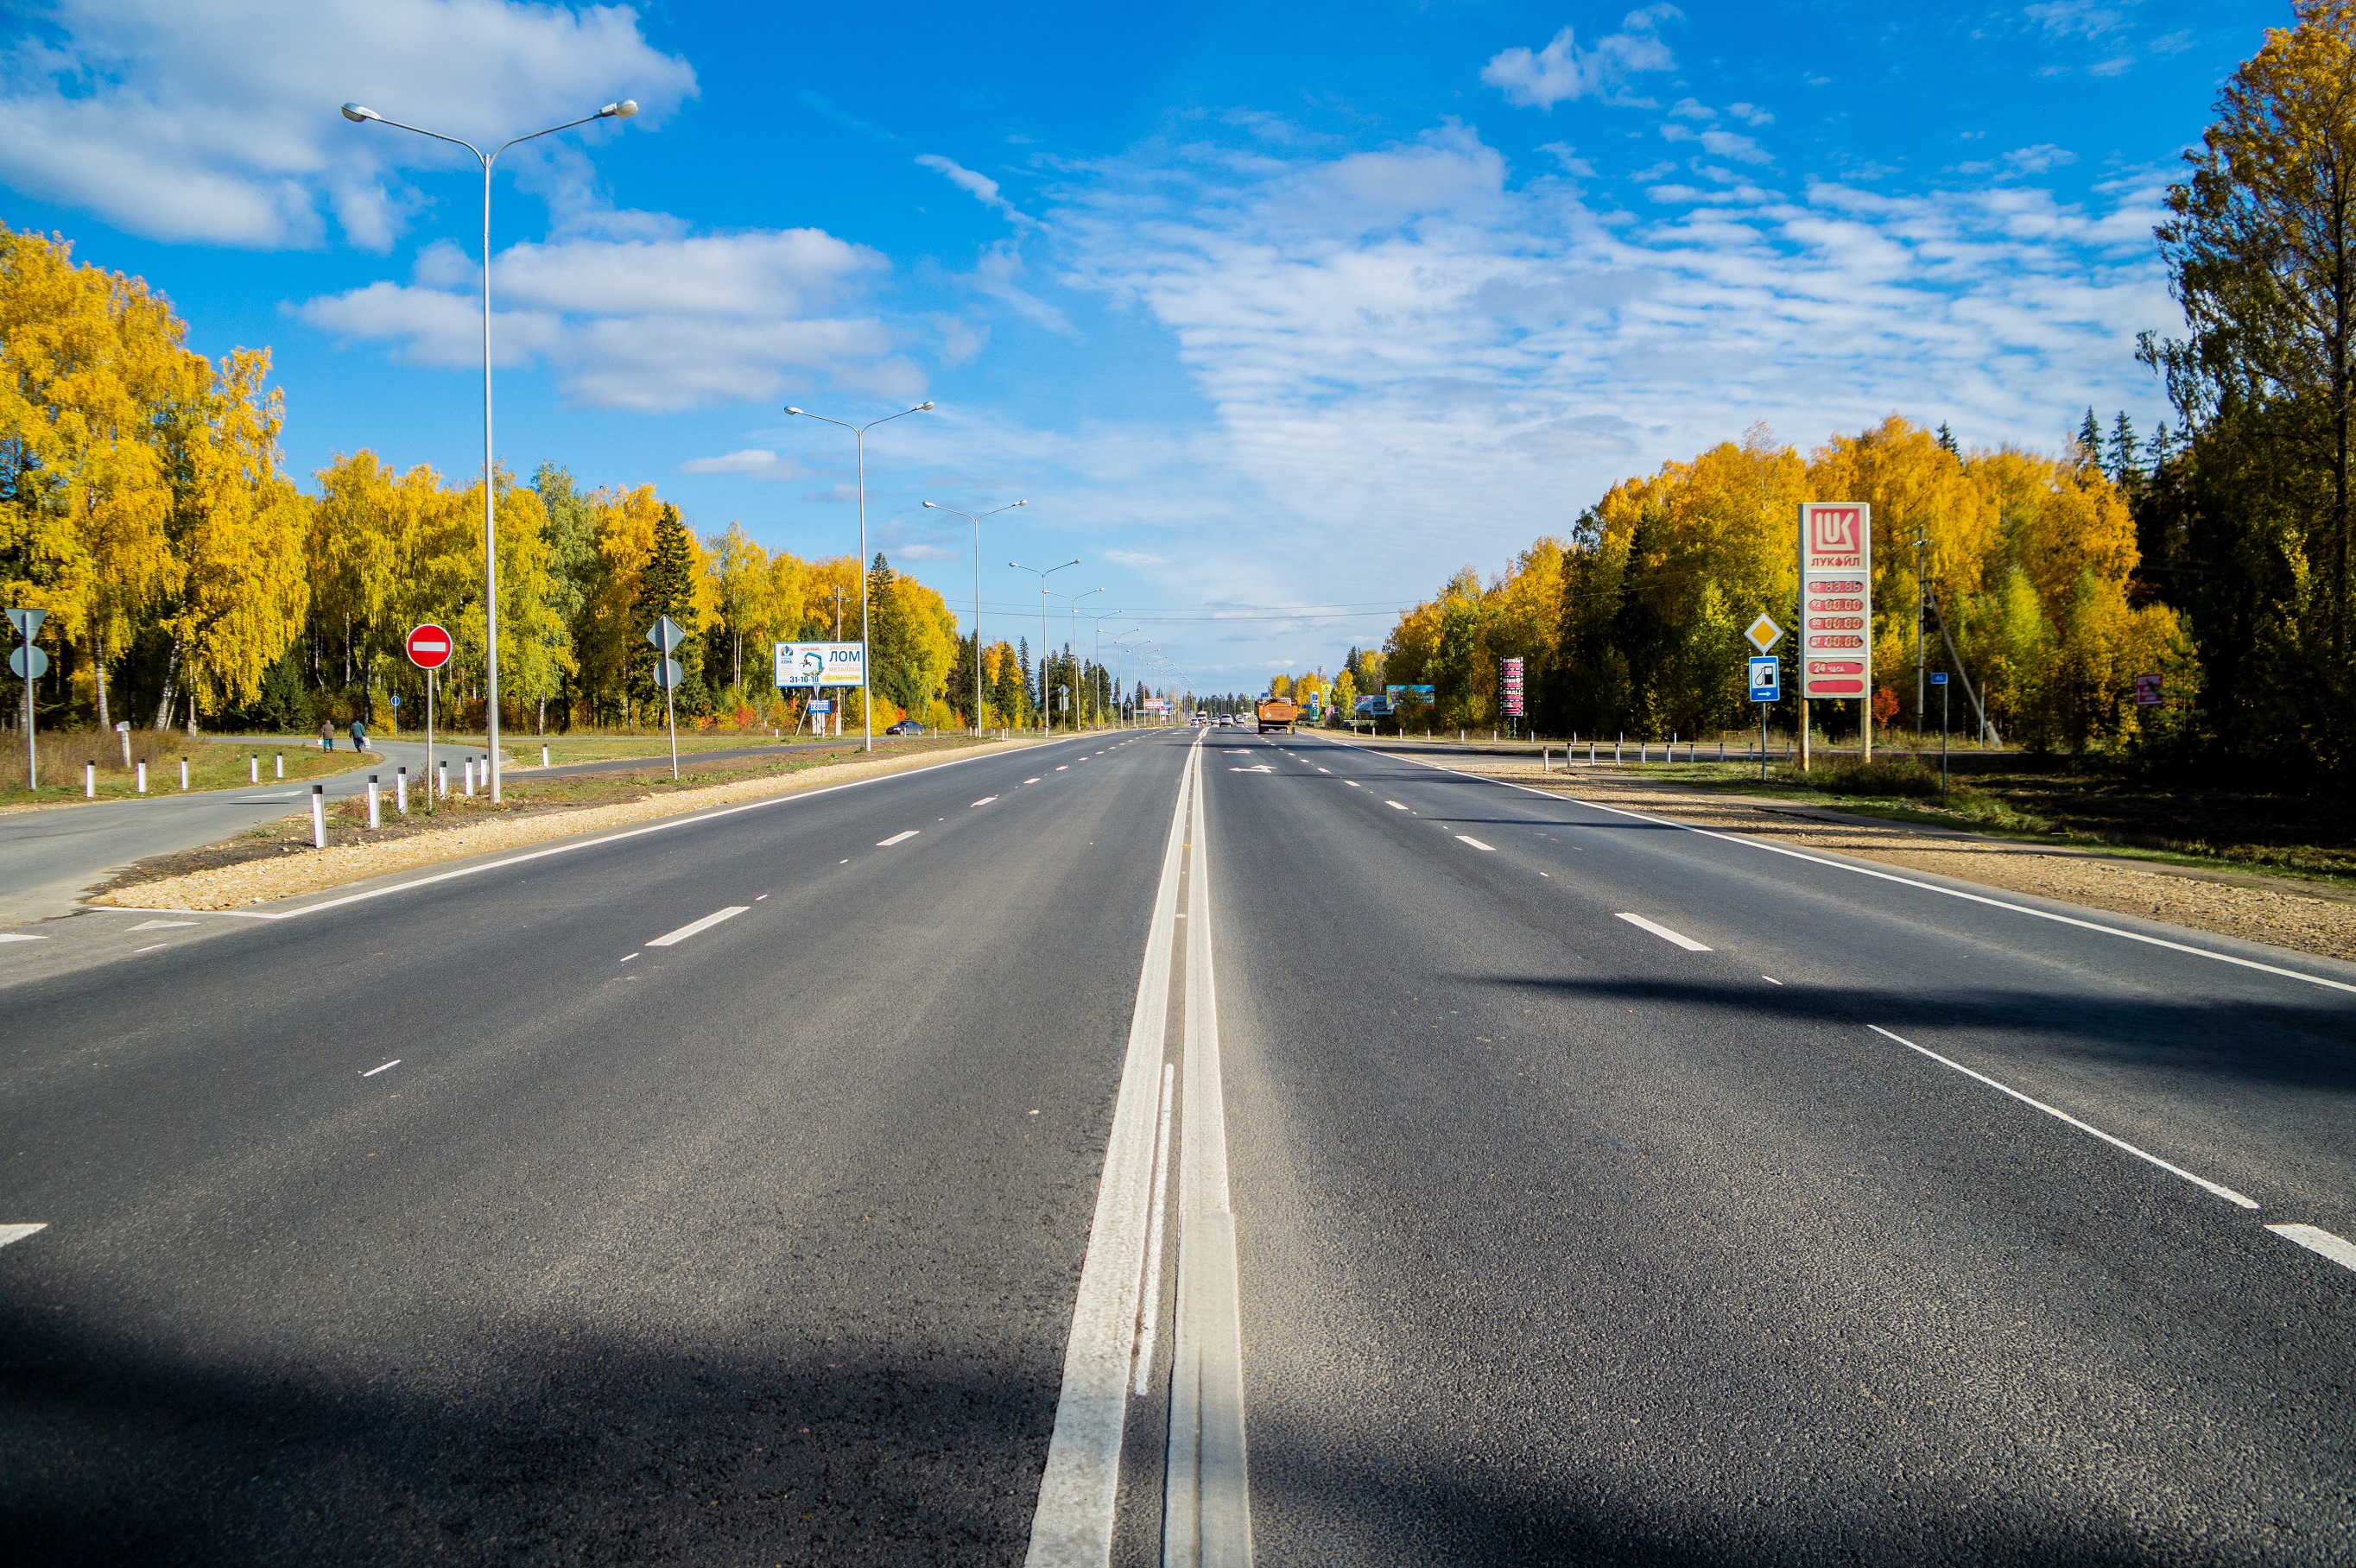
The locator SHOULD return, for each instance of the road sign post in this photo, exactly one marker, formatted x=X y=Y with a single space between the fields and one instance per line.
x=665 y=634
x=32 y=664
x=1766 y=690
x=429 y=648
x=1836 y=612
x=1939 y=680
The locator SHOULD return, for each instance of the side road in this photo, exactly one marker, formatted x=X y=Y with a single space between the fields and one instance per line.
x=50 y=857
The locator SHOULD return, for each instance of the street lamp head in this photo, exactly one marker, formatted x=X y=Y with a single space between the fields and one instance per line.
x=360 y=116
x=922 y=408
x=791 y=409
x=622 y=111
x=1021 y=503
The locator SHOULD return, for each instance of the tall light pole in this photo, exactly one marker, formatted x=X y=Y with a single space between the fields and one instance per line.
x=975 y=519
x=1045 y=727
x=359 y=115
x=859 y=436
x=1075 y=598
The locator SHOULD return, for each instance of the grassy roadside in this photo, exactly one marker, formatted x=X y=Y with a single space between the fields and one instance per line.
x=2205 y=827
x=212 y=764
x=526 y=797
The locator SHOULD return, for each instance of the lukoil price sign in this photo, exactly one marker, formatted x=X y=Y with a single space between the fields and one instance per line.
x=819 y=664
x=1835 y=599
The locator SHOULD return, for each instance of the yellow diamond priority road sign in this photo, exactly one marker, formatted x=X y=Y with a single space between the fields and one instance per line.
x=1764 y=633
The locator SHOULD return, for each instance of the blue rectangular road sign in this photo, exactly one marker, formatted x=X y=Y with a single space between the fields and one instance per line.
x=1938 y=678
x=1766 y=679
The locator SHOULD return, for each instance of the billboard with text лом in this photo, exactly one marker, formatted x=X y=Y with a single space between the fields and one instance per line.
x=820 y=664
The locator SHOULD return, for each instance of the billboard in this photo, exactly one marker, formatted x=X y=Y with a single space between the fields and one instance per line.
x=1423 y=694
x=1835 y=600
x=820 y=664
x=1513 y=689
x=1372 y=706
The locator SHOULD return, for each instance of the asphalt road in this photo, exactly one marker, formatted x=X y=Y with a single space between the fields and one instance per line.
x=468 y=1222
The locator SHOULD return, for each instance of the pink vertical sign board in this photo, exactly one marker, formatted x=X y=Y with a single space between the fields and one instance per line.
x=1835 y=599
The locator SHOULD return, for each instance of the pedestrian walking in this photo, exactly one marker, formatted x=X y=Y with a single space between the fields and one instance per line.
x=359 y=735
x=327 y=736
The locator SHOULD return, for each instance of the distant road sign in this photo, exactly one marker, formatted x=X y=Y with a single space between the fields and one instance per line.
x=1766 y=679
x=819 y=664
x=2147 y=691
x=17 y=662
x=666 y=633
x=429 y=646
x=667 y=674
x=1764 y=633
x=27 y=622
x=1938 y=678
x=822 y=705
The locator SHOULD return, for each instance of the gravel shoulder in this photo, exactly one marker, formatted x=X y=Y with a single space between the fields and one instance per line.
x=2281 y=912
x=277 y=861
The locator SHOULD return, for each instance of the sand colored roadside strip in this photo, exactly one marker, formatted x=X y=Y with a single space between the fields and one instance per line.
x=2276 y=912
x=291 y=875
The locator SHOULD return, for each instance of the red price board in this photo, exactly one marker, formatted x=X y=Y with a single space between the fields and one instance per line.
x=1835 y=600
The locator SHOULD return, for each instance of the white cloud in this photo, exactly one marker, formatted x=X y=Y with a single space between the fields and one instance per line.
x=928 y=552
x=756 y=462
x=2038 y=159
x=218 y=122
x=646 y=325
x=2076 y=18
x=1750 y=114
x=979 y=186
x=1135 y=557
x=1544 y=78
x=1412 y=361
x=998 y=274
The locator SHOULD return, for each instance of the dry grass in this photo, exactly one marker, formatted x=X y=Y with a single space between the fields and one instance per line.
x=212 y=764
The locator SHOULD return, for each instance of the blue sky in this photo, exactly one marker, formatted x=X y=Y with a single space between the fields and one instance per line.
x=1273 y=313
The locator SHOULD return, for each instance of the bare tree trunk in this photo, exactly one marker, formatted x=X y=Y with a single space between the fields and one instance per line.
x=171 y=687
x=98 y=670
x=192 y=710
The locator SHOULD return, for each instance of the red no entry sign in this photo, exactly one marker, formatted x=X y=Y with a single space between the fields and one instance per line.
x=429 y=646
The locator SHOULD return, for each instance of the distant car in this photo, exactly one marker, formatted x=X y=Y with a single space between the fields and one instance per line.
x=906 y=726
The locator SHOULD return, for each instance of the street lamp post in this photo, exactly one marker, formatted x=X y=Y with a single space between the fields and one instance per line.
x=975 y=519
x=1046 y=728
x=359 y=115
x=859 y=436
x=1075 y=598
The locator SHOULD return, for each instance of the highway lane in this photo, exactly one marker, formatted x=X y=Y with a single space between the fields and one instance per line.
x=478 y=1221
x=1564 y=1240
x=757 y=1245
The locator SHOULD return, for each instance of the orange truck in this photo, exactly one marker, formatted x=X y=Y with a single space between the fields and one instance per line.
x=1275 y=712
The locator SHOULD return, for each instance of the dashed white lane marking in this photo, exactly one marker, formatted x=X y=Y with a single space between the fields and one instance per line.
x=1664 y=933
x=1352 y=782
x=672 y=938
x=897 y=839
x=2316 y=1239
x=374 y=1071
x=18 y=1232
x=627 y=957
x=1061 y=766
x=20 y=937
x=2227 y=1193
x=1770 y=979
x=160 y=924
x=1394 y=806
x=152 y=947
x=758 y=897
x=1468 y=838
x=985 y=800
x=1324 y=770
x=1030 y=781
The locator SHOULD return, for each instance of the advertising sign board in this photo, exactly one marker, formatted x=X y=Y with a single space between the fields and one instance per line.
x=819 y=664
x=1513 y=689
x=1835 y=600
x=1372 y=706
x=1422 y=694
x=2147 y=691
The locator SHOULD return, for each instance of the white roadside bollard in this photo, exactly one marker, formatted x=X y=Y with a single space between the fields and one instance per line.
x=375 y=822
x=184 y=772
x=400 y=792
x=90 y=781
x=318 y=816
x=470 y=778
x=143 y=778
x=254 y=769
x=443 y=793
x=543 y=756
x=282 y=764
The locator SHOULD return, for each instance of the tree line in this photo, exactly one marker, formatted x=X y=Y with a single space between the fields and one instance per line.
x=2215 y=557
x=188 y=580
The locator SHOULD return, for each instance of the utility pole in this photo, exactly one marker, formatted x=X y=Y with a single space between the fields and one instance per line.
x=1922 y=595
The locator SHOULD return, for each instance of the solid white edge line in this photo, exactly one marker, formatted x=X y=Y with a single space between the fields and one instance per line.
x=1149 y=1305
x=20 y=937
x=1072 y=1525
x=897 y=839
x=662 y=827
x=1893 y=877
x=2318 y=1240
x=374 y=1071
x=1468 y=838
x=672 y=938
x=2227 y=1193
x=1663 y=932
x=17 y=1232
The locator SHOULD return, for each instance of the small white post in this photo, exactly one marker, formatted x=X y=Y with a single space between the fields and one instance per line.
x=400 y=792
x=469 y=775
x=318 y=816
x=543 y=756
x=90 y=781
x=254 y=770
x=184 y=772
x=143 y=778
x=374 y=821
x=282 y=764
x=443 y=793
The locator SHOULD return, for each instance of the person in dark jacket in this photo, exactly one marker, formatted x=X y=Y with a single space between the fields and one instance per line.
x=359 y=735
